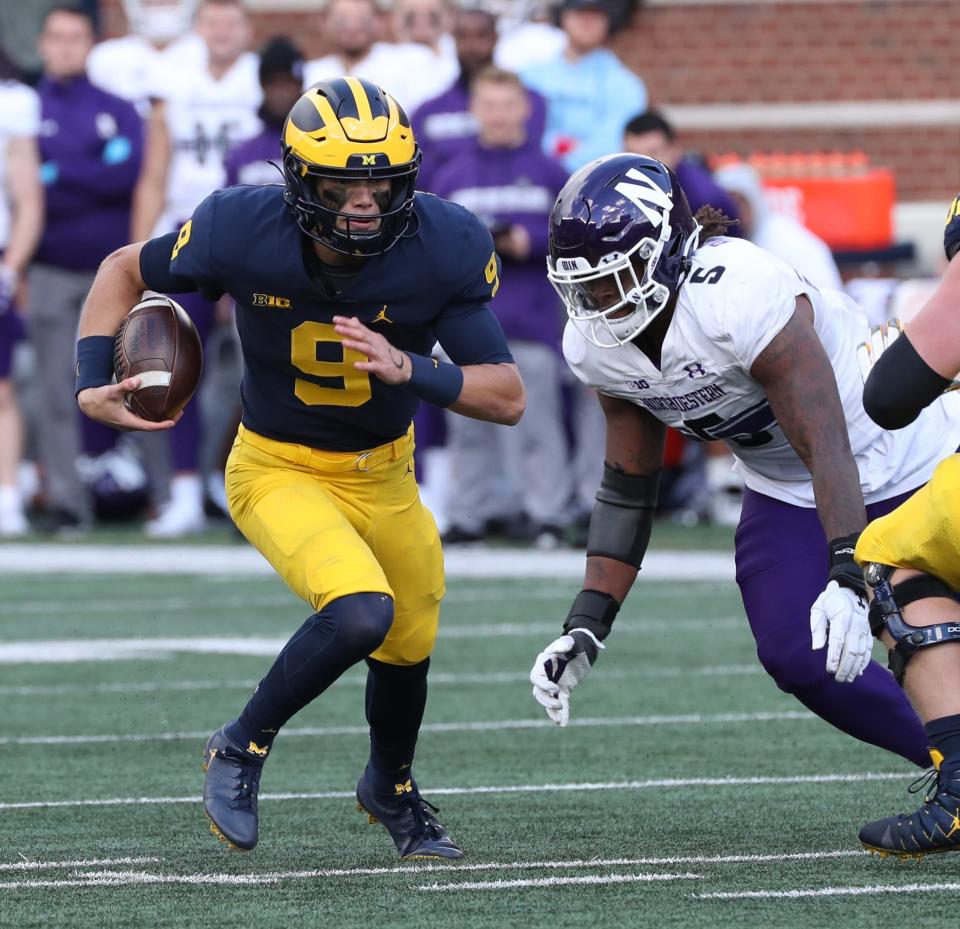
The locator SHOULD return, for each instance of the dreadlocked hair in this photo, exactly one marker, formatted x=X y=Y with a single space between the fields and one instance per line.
x=714 y=222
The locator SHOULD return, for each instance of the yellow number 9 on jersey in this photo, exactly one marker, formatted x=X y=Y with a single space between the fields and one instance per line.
x=182 y=238
x=491 y=275
x=356 y=389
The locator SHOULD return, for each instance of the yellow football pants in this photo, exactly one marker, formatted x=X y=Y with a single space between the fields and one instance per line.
x=924 y=531
x=338 y=523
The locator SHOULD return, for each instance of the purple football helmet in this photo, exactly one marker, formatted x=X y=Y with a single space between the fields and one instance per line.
x=621 y=234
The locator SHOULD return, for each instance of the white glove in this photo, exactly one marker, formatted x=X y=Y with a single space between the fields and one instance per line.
x=838 y=619
x=560 y=667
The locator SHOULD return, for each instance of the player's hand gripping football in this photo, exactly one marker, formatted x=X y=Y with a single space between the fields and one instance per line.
x=562 y=665
x=107 y=405
x=384 y=360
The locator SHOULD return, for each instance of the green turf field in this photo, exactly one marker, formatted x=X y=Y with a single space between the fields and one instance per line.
x=687 y=791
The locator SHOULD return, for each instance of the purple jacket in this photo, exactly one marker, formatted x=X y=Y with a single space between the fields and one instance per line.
x=702 y=190
x=444 y=127
x=249 y=162
x=506 y=187
x=91 y=147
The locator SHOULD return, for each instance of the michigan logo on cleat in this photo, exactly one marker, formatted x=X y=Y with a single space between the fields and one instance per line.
x=405 y=788
x=255 y=749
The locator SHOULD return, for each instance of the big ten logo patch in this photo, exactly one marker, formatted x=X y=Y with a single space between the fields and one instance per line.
x=281 y=303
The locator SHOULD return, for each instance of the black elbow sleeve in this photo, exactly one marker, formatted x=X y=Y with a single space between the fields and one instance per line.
x=900 y=386
x=622 y=517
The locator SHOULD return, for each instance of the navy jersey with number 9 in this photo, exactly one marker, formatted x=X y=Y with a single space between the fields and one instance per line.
x=299 y=382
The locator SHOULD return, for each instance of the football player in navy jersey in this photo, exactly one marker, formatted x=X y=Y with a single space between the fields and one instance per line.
x=343 y=279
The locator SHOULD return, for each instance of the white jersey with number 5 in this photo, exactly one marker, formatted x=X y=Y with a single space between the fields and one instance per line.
x=734 y=301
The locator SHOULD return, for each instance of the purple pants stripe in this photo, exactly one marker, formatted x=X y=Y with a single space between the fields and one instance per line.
x=782 y=563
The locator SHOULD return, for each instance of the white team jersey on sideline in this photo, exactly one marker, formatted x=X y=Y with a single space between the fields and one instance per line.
x=723 y=320
x=206 y=118
x=409 y=72
x=132 y=68
x=19 y=118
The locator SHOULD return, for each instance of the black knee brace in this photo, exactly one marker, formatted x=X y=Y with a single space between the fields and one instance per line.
x=885 y=614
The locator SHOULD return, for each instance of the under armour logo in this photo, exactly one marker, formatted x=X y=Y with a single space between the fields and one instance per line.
x=695 y=370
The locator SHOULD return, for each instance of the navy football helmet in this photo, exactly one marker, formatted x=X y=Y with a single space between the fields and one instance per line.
x=621 y=233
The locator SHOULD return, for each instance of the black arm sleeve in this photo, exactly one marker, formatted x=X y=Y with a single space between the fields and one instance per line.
x=900 y=386
x=155 y=267
x=622 y=517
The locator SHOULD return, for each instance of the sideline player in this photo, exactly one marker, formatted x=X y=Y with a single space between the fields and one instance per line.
x=911 y=561
x=343 y=279
x=676 y=325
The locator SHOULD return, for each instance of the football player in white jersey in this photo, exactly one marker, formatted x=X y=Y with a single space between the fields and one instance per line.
x=675 y=324
x=198 y=116
x=21 y=218
x=160 y=40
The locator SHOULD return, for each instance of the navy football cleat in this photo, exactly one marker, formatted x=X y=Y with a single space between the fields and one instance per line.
x=408 y=818
x=230 y=790
x=935 y=827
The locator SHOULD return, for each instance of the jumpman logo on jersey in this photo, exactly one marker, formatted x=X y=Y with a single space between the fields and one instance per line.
x=381 y=317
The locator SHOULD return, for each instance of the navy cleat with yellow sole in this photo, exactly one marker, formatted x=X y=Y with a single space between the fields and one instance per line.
x=935 y=827
x=230 y=789
x=408 y=818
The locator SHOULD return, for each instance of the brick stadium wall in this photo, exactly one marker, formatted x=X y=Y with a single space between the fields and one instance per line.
x=723 y=53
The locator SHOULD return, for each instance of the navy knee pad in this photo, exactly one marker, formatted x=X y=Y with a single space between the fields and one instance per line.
x=360 y=621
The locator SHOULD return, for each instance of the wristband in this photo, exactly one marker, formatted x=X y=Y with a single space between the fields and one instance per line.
x=433 y=380
x=94 y=362
x=843 y=569
x=594 y=611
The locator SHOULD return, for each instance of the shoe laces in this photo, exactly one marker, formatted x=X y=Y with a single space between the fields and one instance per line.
x=246 y=776
x=422 y=812
x=927 y=783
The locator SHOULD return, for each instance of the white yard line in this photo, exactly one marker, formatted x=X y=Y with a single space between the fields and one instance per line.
x=824 y=892
x=107 y=878
x=583 y=787
x=559 y=881
x=493 y=725
x=69 y=651
x=441 y=678
x=27 y=865
x=216 y=602
x=243 y=560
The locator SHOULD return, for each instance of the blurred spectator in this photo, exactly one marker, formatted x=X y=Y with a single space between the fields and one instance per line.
x=21 y=218
x=442 y=125
x=528 y=33
x=590 y=93
x=281 y=81
x=159 y=38
x=775 y=232
x=353 y=29
x=198 y=116
x=649 y=133
x=90 y=148
x=428 y=23
x=512 y=187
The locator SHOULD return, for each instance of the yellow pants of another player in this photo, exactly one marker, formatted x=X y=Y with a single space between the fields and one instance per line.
x=338 y=523
x=922 y=533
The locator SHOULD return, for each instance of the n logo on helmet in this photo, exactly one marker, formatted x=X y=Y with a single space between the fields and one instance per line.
x=646 y=195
